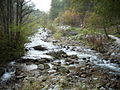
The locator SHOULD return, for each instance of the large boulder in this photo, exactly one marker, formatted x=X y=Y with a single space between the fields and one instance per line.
x=41 y=48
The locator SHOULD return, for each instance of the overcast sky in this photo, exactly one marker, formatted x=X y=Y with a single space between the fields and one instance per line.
x=43 y=5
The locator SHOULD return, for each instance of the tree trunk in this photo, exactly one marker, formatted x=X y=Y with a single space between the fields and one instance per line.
x=105 y=30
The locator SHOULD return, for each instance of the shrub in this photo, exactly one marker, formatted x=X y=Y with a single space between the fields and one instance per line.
x=10 y=49
x=96 y=41
x=12 y=45
x=57 y=35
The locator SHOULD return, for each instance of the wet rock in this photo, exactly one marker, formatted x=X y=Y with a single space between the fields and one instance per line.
x=71 y=62
x=102 y=88
x=92 y=70
x=115 y=61
x=76 y=62
x=52 y=71
x=114 y=84
x=46 y=66
x=72 y=67
x=58 y=54
x=95 y=78
x=56 y=63
x=63 y=80
x=84 y=58
x=42 y=78
x=64 y=55
x=73 y=57
x=83 y=75
x=57 y=87
x=31 y=79
x=82 y=63
x=41 y=48
x=54 y=41
x=68 y=59
x=17 y=87
x=26 y=49
x=41 y=66
x=63 y=70
x=73 y=49
x=45 y=87
x=20 y=77
x=67 y=47
x=83 y=69
x=44 y=60
x=35 y=73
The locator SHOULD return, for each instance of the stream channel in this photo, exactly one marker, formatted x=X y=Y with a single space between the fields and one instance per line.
x=57 y=62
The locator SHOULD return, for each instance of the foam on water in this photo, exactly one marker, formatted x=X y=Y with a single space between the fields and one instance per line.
x=30 y=67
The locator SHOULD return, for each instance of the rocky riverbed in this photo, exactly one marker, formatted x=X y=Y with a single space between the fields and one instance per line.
x=60 y=65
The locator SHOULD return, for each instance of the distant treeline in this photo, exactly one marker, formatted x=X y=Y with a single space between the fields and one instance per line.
x=98 y=14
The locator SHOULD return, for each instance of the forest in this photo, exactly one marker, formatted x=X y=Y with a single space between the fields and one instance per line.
x=73 y=46
x=93 y=14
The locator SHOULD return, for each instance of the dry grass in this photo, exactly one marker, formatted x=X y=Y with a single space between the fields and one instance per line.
x=97 y=41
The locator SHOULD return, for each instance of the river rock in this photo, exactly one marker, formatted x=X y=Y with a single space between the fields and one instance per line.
x=63 y=81
x=58 y=54
x=51 y=71
x=26 y=49
x=63 y=70
x=20 y=77
x=84 y=58
x=73 y=57
x=83 y=69
x=71 y=62
x=44 y=60
x=57 y=87
x=82 y=63
x=42 y=78
x=55 y=41
x=41 y=66
x=46 y=66
x=41 y=48
x=83 y=75
x=32 y=79
x=102 y=88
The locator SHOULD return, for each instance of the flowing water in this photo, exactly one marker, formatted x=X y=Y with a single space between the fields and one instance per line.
x=40 y=39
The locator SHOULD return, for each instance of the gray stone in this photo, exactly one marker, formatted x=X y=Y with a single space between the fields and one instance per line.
x=46 y=66
x=102 y=88
x=41 y=48
x=41 y=66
